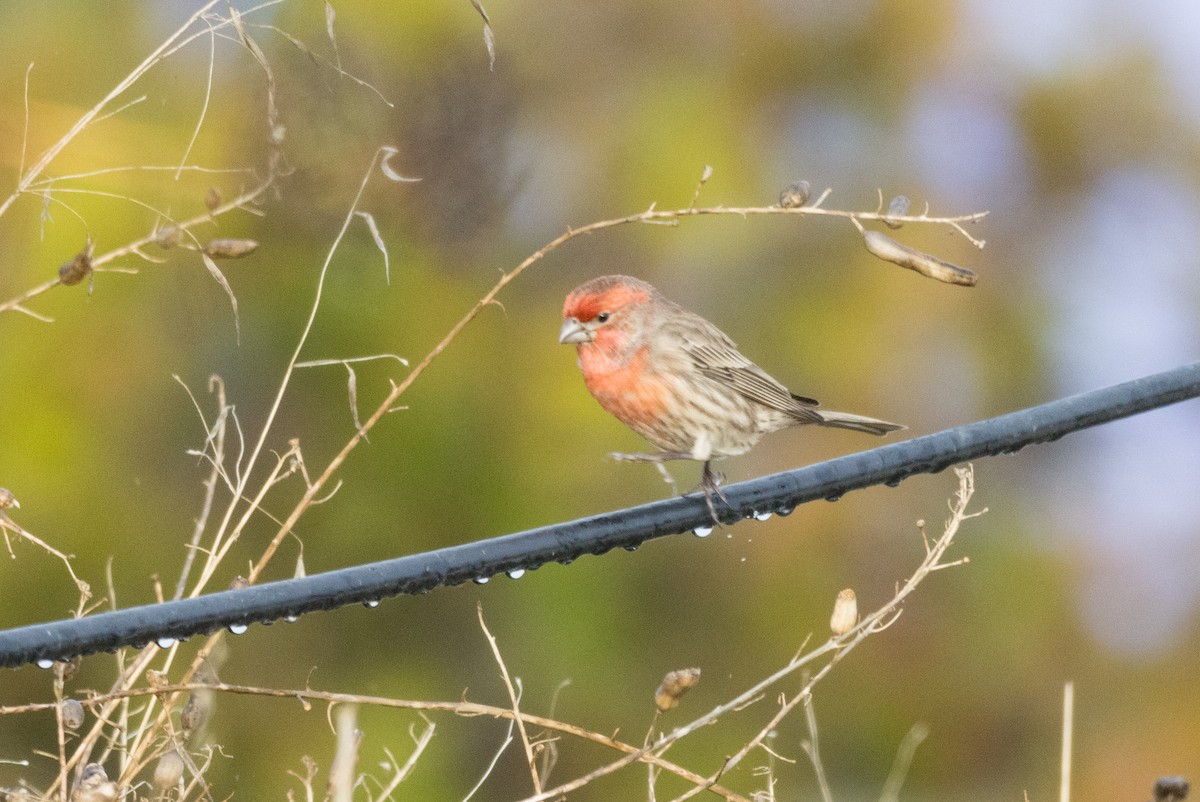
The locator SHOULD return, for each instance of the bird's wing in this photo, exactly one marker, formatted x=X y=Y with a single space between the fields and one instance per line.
x=721 y=361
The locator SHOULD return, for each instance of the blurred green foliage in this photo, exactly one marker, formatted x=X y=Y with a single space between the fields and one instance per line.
x=592 y=111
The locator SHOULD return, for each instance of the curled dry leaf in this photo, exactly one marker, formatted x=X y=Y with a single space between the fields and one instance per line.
x=674 y=685
x=220 y=279
x=385 y=166
x=887 y=249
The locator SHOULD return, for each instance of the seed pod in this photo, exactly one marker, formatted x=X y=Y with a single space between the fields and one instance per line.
x=72 y=714
x=1170 y=789
x=77 y=269
x=212 y=199
x=674 y=685
x=94 y=785
x=230 y=248
x=845 y=613
x=7 y=499
x=195 y=712
x=795 y=195
x=897 y=208
x=168 y=237
x=889 y=250
x=169 y=770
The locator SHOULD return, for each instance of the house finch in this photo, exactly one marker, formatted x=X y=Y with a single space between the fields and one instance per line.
x=678 y=380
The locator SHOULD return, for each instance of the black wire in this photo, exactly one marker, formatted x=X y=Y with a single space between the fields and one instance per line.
x=564 y=542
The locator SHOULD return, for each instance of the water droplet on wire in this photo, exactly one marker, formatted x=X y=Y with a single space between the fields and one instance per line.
x=238 y=629
x=516 y=573
x=703 y=531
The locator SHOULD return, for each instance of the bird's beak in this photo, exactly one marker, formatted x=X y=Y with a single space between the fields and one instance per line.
x=574 y=332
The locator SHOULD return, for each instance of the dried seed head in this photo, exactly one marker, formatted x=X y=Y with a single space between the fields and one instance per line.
x=795 y=195
x=889 y=250
x=156 y=679
x=845 y=613
x=16 y=794
x=212 y=199
x=94 y=785
x=77 y=269
x=230 y=248
x=239 y=582
x=72 y=714
x=195 y=712
x=897 y=208
x=68 y=668
x=169 y=770
x=7 y=499
x=674 y=685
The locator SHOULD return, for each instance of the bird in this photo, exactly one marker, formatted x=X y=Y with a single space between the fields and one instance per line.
x=679 y=381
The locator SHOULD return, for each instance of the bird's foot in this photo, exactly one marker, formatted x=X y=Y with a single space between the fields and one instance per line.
x=710 y=483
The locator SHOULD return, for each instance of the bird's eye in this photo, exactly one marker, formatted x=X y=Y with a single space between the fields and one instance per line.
x=603 y=317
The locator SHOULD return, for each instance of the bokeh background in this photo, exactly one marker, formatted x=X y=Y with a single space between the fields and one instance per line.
x=1076 y=124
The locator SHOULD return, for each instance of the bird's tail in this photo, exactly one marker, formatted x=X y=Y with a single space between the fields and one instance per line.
x=859 y=423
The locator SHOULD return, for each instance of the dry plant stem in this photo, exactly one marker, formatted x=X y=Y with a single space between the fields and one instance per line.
x=421 y=742
x=345 y=759
x=7 y=524
x=58 y=720
x=239 y=491
x=242 y=201
x=1064 y=790
x=215 y=437
x=464 y=709
x=878 y=621
x=813 y=748
x=512 y=695
x=314 y=489
x=904 y=755
x=491 y=766
x=648 y=216
x=83 y=122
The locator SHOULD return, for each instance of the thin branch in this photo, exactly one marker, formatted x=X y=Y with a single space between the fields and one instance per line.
x=839 y=646
x=52 y=152
x=530 y=758
x=463 y=708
